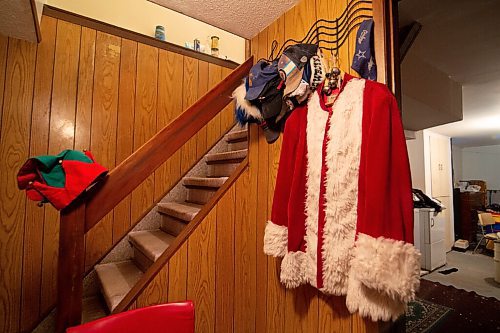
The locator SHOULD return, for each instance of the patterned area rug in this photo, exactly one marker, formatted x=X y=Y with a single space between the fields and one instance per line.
x=423 y=316
x=471 y=312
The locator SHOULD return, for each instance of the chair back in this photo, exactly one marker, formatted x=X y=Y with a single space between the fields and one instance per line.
x=165 y=318
x=486 y=219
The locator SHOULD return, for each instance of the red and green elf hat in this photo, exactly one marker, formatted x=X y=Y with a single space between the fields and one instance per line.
x=59 y=179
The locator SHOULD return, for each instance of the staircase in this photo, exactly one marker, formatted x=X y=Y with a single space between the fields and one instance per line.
x=116 y=278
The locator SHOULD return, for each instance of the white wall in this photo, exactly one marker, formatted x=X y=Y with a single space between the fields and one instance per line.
x=419 y=154
x=143 y=16
x=420 y=161
x=482 y=163
x=416 y=157
x=456 y=153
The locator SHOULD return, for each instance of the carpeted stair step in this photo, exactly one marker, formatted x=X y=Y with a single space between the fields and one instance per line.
x=201 y=189
x=116 y=280
x=223 y=164
x=175 y=215
x=237 y=136
x=237 y=140
x=148 y=246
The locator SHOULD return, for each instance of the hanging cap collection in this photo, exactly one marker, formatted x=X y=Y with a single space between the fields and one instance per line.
x=276 y=86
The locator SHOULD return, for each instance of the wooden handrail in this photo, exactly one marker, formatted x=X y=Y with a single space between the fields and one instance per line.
x=123 y=179
x=82 y=215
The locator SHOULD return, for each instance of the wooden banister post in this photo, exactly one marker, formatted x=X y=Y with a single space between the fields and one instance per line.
x=70 y=267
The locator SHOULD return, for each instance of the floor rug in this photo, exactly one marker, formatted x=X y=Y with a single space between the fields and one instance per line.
x=471 y=312
x=424 y=317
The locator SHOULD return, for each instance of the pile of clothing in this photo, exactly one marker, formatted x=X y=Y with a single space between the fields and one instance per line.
x=273 y=89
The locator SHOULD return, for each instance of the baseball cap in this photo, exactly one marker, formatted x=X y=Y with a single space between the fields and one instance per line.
x=292 y=62
x=260 y=74
x=271 y=98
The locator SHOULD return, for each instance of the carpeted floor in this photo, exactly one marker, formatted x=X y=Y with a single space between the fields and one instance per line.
x=471 y=312
x=475 y=273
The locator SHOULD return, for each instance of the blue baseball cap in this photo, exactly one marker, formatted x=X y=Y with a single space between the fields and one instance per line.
x=260 y=74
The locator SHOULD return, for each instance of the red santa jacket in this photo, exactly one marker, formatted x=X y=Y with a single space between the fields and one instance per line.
x=342 y=216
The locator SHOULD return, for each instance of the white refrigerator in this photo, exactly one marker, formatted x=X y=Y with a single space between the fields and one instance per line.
x=429 y=238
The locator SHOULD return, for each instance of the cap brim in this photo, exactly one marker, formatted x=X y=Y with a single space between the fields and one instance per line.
x=254 y=92
x=271 y=134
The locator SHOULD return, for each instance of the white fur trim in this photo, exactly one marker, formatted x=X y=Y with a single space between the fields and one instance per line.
x=389 y=266
x=275 y=239
x=297 y=268
x=315 y=133
x=251 y=111
x=372 y=304
x=342 y=173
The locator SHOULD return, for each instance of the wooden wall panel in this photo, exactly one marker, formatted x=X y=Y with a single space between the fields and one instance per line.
x=256 y=158
x=213 y=127
x=170 y=73
x=225 y=261
x=103 y=131
x=330 y=10
x=125 y=129
x=201 y=137
x=81 y=89
x=244 y=247
x=145 y=120
x=189 y=96
x=33 y=231
x=15 y=137
x=333 y=315
x=227 y=115
x=177 y=275
x=268 y=158
x=156 y=292
x=351 y=45
x=85 y=89
x=4 y=42
x=201 y=273
x=61 y=136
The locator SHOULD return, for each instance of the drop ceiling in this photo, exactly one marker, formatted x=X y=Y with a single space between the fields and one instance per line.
x=245 y=18
x=462 y=39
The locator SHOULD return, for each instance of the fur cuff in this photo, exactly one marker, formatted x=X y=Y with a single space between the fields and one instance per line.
x=297 y=268
x=370 y=303
x=387 y=266
x=275 y=240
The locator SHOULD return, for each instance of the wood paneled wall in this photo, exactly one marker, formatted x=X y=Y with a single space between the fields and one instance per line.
x=84 y=89
x=222 y=267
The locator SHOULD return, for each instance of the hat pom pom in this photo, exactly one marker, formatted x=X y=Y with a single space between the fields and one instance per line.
x=245 y=112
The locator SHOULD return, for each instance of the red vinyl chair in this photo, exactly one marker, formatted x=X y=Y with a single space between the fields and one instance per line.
x=165 y=318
